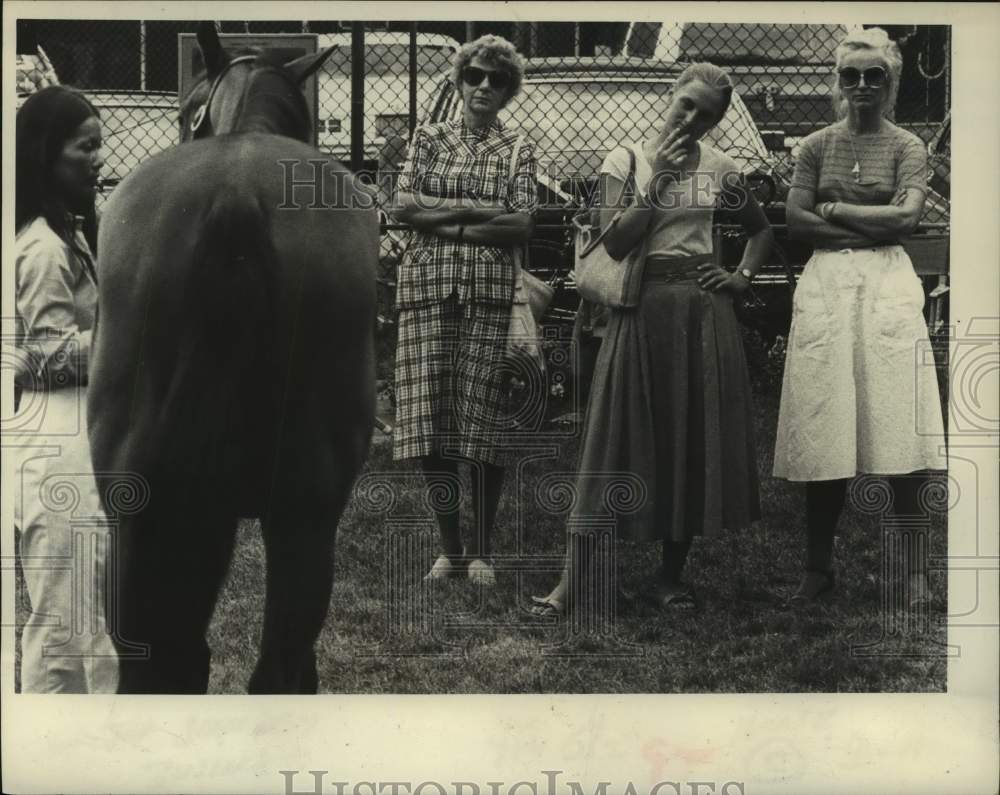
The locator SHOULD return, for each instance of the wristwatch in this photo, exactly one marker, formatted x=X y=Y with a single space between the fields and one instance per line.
x=746 y=273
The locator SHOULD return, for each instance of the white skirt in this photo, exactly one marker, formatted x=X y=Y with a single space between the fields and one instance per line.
x=860 y=390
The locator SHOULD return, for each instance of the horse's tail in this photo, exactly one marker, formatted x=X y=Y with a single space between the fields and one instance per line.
x=219 y=388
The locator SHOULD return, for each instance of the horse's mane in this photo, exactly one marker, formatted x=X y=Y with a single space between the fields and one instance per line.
x=273 y=98
x=200 y=84
x=269 y=99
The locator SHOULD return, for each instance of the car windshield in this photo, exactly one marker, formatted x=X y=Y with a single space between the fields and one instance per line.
x=574 y=123
x=391 y=59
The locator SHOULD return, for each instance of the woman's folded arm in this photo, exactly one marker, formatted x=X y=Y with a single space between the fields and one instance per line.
x=508 y=229
x=427 y=213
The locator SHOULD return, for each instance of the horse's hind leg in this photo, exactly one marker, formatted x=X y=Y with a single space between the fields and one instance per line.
x=300 y=558
x=172 y=567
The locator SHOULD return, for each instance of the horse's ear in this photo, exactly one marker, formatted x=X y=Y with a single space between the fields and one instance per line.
x=212 y=54
x=302 y=67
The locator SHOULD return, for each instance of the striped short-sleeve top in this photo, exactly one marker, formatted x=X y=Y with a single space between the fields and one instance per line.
x=889 y=160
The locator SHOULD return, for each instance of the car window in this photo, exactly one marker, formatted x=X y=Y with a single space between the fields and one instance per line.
x=575 y=123
x=391 y=59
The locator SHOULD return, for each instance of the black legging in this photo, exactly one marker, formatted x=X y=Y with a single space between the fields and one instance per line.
x=674 y=557
x=825 y=502
x=486 y=492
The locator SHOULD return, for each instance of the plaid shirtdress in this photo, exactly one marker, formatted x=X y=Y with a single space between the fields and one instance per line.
x=454 y=300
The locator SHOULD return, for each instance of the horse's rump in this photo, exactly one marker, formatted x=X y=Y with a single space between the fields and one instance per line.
x=252 y=323
x=227 y=341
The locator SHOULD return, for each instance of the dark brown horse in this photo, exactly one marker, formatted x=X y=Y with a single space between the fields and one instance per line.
x=233 y=369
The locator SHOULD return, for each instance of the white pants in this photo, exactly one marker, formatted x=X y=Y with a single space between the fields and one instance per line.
x=65 y=645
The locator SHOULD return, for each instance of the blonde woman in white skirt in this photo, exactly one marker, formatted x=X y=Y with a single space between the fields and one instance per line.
x=854 y=399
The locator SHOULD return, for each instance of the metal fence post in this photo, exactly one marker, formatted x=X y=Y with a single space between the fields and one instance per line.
x=413 y=77
x=357 y=96
x=142 y=55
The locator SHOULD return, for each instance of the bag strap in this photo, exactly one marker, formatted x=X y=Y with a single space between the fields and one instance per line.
x=630 y=178
x=631 y=170
x=513 y=160
x=517 y=252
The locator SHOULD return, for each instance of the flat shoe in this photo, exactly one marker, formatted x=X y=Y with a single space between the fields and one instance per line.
x=444 y=568
x=813 y=585
x=481 y=573
x=544 y=607
x=674 y=598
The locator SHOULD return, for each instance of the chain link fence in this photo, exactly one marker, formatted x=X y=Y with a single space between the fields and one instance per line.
x=782 y=74
x=588 y=87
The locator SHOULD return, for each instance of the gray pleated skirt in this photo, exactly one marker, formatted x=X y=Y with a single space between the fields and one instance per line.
x=668 y=449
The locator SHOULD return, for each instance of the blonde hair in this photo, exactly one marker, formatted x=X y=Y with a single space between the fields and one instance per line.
x=711 y=75
x=877 y=41
x=497 y=52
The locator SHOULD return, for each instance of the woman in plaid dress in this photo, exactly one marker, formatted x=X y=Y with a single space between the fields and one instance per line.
x=455 y=291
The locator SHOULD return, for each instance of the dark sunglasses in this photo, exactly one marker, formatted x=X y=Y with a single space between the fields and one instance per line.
x=875 y=77
x=473 y=76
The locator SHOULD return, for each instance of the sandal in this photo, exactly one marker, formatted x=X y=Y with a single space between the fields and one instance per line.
x=672 y=597
x=547 y=607
x=445 y=568
x=481 y=572
x=813 y=585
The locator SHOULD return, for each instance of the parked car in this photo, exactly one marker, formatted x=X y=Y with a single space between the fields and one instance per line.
x=136 y=125
x=387 y=86
x=576 y=112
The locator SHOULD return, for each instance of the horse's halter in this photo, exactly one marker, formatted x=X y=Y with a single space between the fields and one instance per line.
x=202 y=113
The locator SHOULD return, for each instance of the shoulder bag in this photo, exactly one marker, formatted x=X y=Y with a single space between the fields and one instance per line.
x=600 y=278
x=531 y=294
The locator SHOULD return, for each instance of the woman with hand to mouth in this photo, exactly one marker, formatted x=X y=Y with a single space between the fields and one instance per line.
x=854 y=400
x=669 y=421
x=454 y=295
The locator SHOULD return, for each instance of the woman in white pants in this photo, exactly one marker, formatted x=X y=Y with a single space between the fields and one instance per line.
x=65 y=646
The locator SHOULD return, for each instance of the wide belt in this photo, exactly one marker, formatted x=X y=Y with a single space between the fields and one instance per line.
x=866 y=247
x=674 y=269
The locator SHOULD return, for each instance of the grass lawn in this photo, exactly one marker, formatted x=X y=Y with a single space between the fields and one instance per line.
x=386 y=633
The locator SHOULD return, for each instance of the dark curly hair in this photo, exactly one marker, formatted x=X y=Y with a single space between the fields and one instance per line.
x=45 y=122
